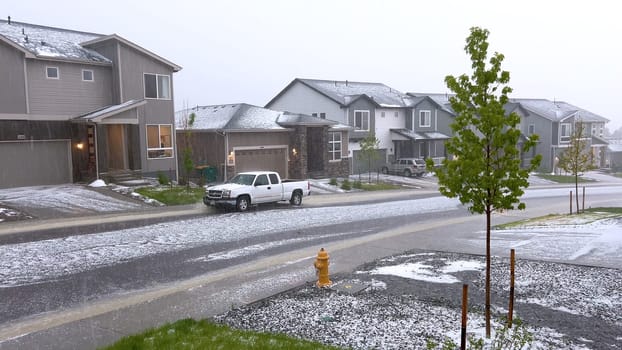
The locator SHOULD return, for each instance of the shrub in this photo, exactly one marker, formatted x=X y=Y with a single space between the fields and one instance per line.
x=163 y=179
x=357 y=185
x=345 y=185
x=333 y=182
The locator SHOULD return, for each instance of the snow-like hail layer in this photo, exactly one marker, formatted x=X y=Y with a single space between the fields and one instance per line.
x=64 y=198
x=34 y=261
x=425 y=272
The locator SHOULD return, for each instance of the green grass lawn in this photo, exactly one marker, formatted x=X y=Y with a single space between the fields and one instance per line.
x=379 y=186
x=173 y=195
x=191 y=334
x=564 y=179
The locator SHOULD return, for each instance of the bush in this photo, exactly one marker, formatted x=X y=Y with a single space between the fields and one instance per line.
x=345 y=185
x=333 y=182
x=163 y=179
x=357 y=185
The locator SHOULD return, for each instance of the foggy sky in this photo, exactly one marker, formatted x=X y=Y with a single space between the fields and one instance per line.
x=247 y=51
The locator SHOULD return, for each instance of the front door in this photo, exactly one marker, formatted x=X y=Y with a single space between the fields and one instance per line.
x=117 y=151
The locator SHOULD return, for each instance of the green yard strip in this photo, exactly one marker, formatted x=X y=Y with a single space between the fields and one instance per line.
x=192 y=334
x=590 y=215
x=564 y=179
x=173 y=195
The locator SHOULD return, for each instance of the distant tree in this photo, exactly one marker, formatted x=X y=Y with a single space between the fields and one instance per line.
x=188 y=164
x=577 y=158
x=369 y=151
x=484 y=171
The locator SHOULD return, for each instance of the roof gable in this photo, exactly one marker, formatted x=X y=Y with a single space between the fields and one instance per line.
x=557 y=110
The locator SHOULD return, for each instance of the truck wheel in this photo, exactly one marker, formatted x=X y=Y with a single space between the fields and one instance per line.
x=385 y=170
x=296 y=198
x=407 y=172
x=242 y=203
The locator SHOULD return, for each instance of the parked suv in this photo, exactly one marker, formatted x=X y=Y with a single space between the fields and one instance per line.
x=406 y=167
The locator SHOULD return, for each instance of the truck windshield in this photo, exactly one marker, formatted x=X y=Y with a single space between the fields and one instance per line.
x=242 y=179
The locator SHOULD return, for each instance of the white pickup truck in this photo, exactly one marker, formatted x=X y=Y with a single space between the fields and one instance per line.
x=255 y=187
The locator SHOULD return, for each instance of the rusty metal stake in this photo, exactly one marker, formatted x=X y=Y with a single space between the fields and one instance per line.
x=570 y=202
x=511 y=307
x=583 y=210
x=463 y=329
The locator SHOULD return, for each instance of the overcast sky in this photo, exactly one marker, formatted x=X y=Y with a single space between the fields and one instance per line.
x=248 y=51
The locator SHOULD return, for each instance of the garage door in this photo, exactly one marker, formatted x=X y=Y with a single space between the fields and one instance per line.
x=34 y=163
x=272 y=159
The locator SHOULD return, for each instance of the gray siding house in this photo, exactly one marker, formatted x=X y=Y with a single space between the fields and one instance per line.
x=75 y=106
x=554 y=122
x=371 y=108
x=240 y=137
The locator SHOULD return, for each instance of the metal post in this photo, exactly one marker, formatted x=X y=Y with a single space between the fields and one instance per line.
x=511 y=307
x=463 y=329
x=583 y=210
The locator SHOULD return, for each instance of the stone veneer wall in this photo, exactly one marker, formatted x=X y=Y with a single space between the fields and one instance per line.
x=339 y=169
x=297 y=166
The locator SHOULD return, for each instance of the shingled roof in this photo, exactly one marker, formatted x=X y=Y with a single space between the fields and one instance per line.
x=47 y=42
x=557 y=110
x=242 y=116
x=346 y=92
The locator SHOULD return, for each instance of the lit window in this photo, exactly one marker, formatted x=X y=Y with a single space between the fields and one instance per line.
x=52 y=73
x=87 y=75
x=361 y=120
x=334 y=145
x=157 y=86
x=424 y=118
x=159 y=141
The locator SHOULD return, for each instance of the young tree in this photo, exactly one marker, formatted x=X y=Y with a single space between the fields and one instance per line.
x=577 y=158
x=484 y=171
x=188 y=164
x=369 y=151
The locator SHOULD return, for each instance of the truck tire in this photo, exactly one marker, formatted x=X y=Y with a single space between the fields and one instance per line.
x=242 y=203
x=296 y=198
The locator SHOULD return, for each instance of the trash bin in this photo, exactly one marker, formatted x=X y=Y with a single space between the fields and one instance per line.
x=208 y=172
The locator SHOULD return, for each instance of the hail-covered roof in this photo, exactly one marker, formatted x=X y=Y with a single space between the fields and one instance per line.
x=346 y=92
x=242 y=116
x=442 y=100
x=48 y=42
x=557 y=110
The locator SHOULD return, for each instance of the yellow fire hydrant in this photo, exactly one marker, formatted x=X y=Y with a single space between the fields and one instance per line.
x=321 y=266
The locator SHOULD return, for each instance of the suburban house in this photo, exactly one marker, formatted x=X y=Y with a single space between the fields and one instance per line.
x=406 y=126
x=554 y=122
x=238 y=137
x=75 y=106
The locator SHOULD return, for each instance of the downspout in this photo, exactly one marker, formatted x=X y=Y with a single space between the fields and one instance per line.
x=26 y=87
x=96 y=151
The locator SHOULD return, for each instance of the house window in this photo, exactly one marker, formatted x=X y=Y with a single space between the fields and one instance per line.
x=314 y=115
x=160 y=141
x=157 y=86
x=382 y=114
x=334 y=146
x=531 y=129
x=565 y=129
x=361 y=120
x=52 y=72
x=396 y=114
x=323 y=115
x=424 y=118
x=87 y=75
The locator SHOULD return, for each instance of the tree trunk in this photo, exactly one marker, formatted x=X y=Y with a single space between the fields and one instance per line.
x=487 y=309
x=576 y=190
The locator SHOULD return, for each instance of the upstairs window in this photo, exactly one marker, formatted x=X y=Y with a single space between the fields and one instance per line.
x=87 y=75
x=425 y=118
x=323 y=115
x=361 y=120
x=564 y=133
x=334 y=146
x=159 y=141
x=52 y=72
x=157 y=86
x=531 y=129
